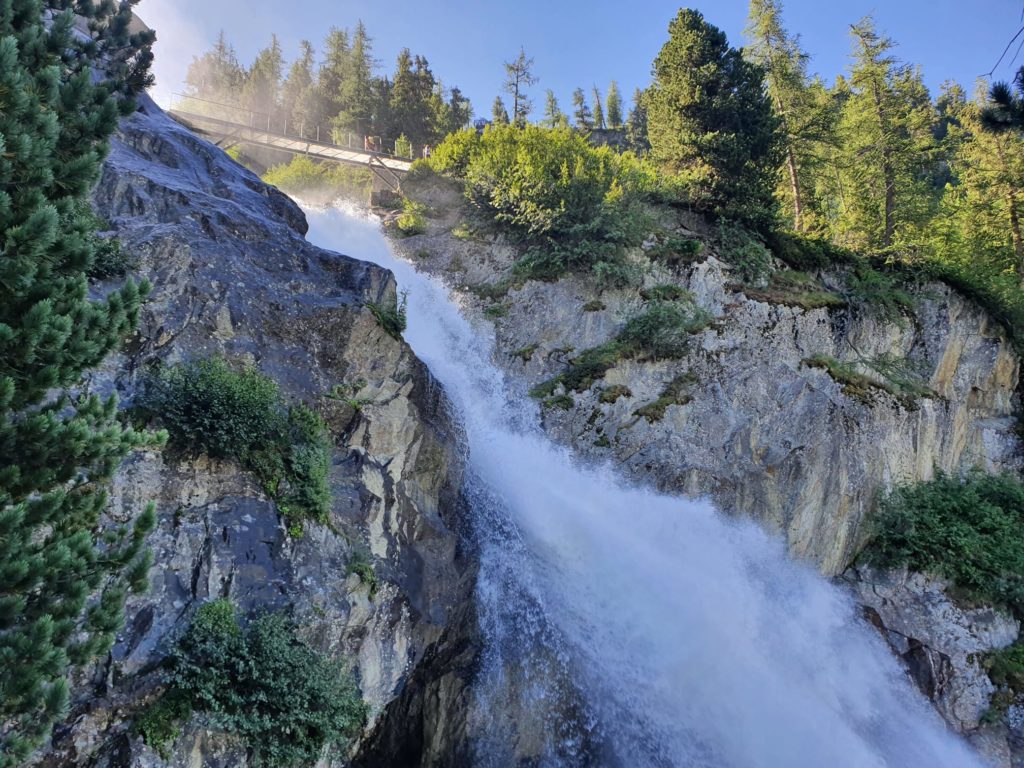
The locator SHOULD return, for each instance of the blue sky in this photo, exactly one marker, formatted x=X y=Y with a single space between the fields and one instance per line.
x=576 y=43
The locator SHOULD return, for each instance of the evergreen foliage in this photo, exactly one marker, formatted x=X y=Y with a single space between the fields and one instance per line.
x=62 y=586
x=582 y=115
x=499 y=114
x=597 y=109
x=553 y=115
x=614 y=101
x=518 y=77
x=286 y=700
x=209 y=407
x=710 y=121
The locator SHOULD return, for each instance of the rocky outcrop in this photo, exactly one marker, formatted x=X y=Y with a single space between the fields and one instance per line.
x=757 y=428
x=944 y=646
x=233 y=275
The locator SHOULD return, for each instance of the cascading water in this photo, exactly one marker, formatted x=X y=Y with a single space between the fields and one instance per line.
x=686 y=638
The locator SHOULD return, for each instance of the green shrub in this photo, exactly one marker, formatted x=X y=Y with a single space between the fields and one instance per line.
x=262 y=683
x=160 y=723
x=613 y=393
x=665 y=292
x=571 y=204
x=878 y=292
x=745 y=251
x=209 y=407
x=671 y=249
x=969 y=530
x=591 y=365
x=392 y=320
x=675 y=393
x=403 y=147
x=795 y=289
x=359 y=563
x=808 y=253
x=663 y=330
x=303 y=176
x=412 y=220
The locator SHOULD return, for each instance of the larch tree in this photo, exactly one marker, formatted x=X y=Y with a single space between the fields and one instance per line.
x=614 y=103
x=553 y=115
x=63 y=582
x=582 y=115
x=597 y=108
x=262 y=89
x=710 y=122
x=518 y=77
x=499 y=113
x=887 y=145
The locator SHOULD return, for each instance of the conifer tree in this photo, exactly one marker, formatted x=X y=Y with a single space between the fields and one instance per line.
x=553 y=115
x=332 y=74
x=710 y=121
x=216 y=75
x=636 y=125
x=597 y=109
x=499 y=114
x=803 y=107
x=518 y=77
x=614 y=101
x=459 y=112
x=1006 y=110
x=581 y=111
x=357 y=86
x=297 y=92
x=62 y=585
x=886 y=141
x=262 y=89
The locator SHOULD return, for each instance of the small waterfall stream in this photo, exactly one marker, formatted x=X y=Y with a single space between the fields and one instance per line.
x=638 y=629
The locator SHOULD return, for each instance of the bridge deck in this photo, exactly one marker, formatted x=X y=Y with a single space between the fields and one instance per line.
x=237 y=132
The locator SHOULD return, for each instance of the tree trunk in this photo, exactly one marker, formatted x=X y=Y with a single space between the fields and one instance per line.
x=794 y=181
x=1014 y=211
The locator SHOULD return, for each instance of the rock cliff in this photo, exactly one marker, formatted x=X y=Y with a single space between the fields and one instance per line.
x=233 y=275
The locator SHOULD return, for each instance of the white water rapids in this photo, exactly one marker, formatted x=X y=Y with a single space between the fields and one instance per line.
x=690 y=639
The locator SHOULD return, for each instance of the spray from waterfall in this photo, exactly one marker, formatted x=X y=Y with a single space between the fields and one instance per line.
x=691 y=639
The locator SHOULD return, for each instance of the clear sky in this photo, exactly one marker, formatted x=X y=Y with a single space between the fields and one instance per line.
x=576 y=42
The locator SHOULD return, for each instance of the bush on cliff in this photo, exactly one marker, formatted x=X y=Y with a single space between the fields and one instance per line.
x=237 y=413
x=286 y=700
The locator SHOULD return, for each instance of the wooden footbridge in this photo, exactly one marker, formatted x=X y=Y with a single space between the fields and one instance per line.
x=228 y=125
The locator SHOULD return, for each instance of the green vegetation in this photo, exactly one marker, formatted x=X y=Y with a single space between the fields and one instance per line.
x=570 y=205
x=969 y=530
x=892 y=375
x=613 y=393
x=64 y=578
x=675 y=250
x=303 y=176
x=260 y=682
x=496 y=311
x=360 y=564
x=412 y=220
x=208 y=406
x=594 y=305
x=676 y=393
x=710 y=122
x=662 y=331
x=526 y=353
x=794 y=289
x=391 y=319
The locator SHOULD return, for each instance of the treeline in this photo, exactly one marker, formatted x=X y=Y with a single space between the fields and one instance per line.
x=340 y=93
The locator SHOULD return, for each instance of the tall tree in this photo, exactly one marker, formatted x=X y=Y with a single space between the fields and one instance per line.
x=357 y=87
x=298 y=93
x=499 y=114
x=459 y=112
x=1006 y=110
x=598 y=108
x=62 y=583
x=636 y=124
x=614 y=101
x=216 y=75
x=582 y=115
x=262 y=89
x=333 y=71
x=553 y=115
x=519 y=77
x=887 y=144
x=710 y=121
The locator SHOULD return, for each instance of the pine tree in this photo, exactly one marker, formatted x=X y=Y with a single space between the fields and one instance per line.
x=357 y=88
x=332 y=74
x=62 y=584
x=886 y=145
x=598 y=109
x=581 y=112
x=1006 y=110
x=710 y=120
x=459 y=113
x=262 y=89
x=636 y=125
x=553 y=115
x=216 y=75
x=499 y=114
x=415 y=103
x=298 y=93
x=614 y=101
x=519 y=77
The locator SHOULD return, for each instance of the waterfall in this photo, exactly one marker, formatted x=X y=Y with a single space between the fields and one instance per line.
x=665 y=632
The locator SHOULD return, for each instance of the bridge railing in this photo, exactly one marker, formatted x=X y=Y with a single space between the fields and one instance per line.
x=280 y=124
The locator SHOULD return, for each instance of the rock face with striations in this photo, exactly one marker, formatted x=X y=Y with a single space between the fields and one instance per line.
x=233 y=275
